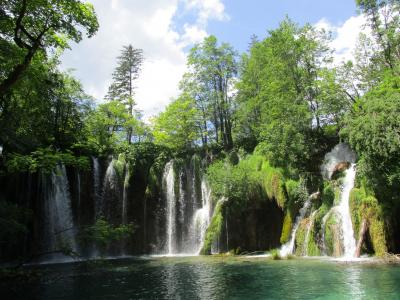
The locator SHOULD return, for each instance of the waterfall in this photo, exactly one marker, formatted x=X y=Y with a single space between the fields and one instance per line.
x=169 y=190
x=78 y=183
x=201 y=219
x=340 y=153
x=59 y=231
x=187 y=216
x=125 y=196
x=288 y=248
x=96 y=185
x=343 y=209
x=307 y=237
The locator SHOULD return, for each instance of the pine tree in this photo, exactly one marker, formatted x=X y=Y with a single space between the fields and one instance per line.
x=127 y=71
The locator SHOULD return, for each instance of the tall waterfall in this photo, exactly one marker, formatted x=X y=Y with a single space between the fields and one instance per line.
x=96 y=185
x=187 y=213
x=59 y=230
x=288 y=248
x=342 y=153
x=169 y=190
x=201 y=219
x=125 y=196
x=349 y=242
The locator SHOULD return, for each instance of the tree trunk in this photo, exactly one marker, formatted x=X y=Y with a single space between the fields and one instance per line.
x=13 y=77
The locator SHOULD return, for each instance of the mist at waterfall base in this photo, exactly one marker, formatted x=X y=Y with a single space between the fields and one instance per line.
x=208 y=278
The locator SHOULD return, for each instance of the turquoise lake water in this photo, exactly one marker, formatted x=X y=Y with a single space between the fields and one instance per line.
x=209 y=278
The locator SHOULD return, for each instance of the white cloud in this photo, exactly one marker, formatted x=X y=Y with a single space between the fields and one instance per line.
x=208 y=9
x=148 y=25
x=345 y=36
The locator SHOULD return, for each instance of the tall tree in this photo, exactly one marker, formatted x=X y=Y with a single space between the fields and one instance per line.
x=212 y=72
x=34 y=25
x=287 y=95
x=384 y=20
x=126 y=72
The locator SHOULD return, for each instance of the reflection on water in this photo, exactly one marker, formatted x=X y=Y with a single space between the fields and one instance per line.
x=209 y=278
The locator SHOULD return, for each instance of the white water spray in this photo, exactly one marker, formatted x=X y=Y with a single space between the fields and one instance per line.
x=169 y=189
x=59 y=227
x=201 y=219
x=349 y=242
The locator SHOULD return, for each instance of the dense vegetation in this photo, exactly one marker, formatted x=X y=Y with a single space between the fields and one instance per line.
x=263 y=120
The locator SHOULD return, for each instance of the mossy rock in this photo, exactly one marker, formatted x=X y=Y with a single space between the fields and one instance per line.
x=300 y=237
x=286 y=228
x=367 y=207
x=333 y=244
x=214 y=229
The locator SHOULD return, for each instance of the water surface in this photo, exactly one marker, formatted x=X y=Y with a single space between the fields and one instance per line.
x=209 y=278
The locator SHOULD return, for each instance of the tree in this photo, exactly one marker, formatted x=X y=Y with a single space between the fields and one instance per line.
x=212 y=71
x=37 y=25
x=384 y=21
x=127 y=71
x=176 y=126
x=287 y=95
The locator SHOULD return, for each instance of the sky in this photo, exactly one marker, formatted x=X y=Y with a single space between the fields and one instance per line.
x=167 y=29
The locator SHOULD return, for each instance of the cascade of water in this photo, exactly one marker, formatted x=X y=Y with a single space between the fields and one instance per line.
x=125 y=196
x=307 y=238
x=201 y=219
x=78 y=179
x=59 y=229
x=288 y=248
x=110 y=185
x=340 y=153
x=323 y=226
x=96 y=185
x=169 y=190
x=343 y=209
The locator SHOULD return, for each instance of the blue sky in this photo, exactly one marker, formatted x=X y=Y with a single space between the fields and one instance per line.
x=167 y=29
x=257 y=17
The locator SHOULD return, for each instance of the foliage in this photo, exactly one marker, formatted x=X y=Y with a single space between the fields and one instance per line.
x=122 y=90
x=14 y=222
x=212 y=69
x=275 y=254
x=286 y=227
x=103 y=234
x=176 y=126
x=44 y=160
x=213 y=231
x=286 y=96
x=366 y=207
x=36 y=25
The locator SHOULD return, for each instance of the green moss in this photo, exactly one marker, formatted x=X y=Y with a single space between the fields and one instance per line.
x=119 y=166
x=274 y=184
x=300 y=237
x=275 y=254
x=331 y=236
x=364 y=206
x=214 y=230
x=312 y=247
x=328 y=194
x=287 y=227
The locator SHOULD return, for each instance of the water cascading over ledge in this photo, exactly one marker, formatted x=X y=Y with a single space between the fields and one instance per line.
x=187 y=209
x=58 y=231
